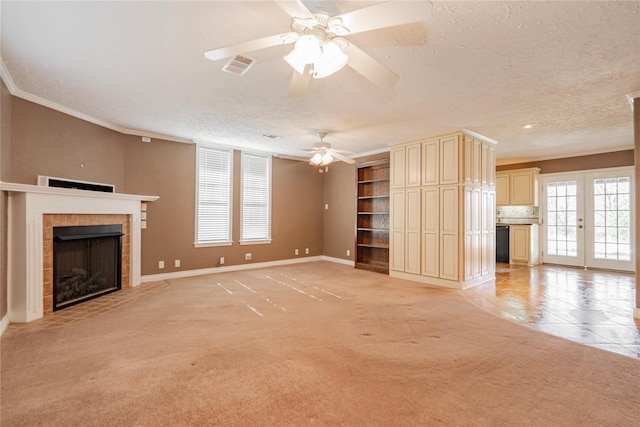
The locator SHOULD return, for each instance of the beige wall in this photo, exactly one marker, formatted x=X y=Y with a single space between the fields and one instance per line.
x=340 y=219
x=5 y=169
x=594 y=161
x=340 y=193
x=47 y=142
x=167 y=169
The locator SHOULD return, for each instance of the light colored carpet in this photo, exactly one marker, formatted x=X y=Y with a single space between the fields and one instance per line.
x=308 y=344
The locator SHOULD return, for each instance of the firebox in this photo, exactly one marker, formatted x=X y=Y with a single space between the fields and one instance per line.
x=87 y=263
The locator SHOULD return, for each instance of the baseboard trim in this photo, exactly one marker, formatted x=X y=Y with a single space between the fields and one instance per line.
x=4 y=323
x=239 y=267
x=442 y=283
x=339 y=261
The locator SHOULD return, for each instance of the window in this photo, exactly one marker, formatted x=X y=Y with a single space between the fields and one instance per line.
x=213 y=198
x=256 y=198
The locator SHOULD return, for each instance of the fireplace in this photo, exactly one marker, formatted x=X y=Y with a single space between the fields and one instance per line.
x=33 y=212
x=86 y=262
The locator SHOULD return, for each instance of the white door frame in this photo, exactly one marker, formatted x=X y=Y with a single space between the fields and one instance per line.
x=576 y=223
x=586 y=234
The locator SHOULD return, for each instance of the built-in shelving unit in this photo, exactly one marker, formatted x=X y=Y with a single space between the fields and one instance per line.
x=372 y=222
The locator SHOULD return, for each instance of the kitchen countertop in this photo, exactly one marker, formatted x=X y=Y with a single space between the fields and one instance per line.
x=518 y=222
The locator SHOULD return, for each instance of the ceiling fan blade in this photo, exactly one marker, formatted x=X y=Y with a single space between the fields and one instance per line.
x=298 y=11
x=342 y=158
x=289 y=157
x=261 y=43
x=300 y=82
x=387 y=14
x=342 y=151
x=369 y=67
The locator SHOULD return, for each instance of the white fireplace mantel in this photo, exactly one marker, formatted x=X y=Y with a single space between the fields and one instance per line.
x=26 y=206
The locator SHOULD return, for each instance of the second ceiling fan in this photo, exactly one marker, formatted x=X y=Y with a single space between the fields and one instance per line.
x=320 y=47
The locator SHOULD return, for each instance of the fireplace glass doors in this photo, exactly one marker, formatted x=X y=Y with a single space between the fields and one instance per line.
x=87 y=262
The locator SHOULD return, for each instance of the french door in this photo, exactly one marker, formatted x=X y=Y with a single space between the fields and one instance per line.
x=588 y=219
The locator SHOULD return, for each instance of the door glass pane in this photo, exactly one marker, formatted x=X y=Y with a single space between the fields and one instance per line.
x=611 y=202
x=562 y=224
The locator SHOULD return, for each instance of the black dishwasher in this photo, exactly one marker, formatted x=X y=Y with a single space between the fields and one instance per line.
x=502 y=243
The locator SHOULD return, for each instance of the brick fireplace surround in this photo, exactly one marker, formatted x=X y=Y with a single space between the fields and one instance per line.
x=33 y=212
x=61 y=220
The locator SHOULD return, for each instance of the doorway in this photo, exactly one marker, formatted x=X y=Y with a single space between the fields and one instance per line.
x=588 y=219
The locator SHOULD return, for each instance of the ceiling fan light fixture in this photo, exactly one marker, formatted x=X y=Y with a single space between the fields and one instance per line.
x=308 y=47
x=316 y=159
x=331 y=60
x=336 y=27
x=295 y=60
x=326 y=159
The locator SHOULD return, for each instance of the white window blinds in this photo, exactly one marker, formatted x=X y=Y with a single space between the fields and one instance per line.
x=256 y=198
x=213 y=224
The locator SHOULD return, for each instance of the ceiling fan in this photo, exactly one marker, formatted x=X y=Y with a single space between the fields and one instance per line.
x=320 y=47
x=324 y=154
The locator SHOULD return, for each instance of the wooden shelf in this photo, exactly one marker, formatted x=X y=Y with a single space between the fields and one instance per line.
x=372 y=219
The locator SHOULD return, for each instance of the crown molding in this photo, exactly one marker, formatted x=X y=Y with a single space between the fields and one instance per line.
x=19 y=93
x=512 y=161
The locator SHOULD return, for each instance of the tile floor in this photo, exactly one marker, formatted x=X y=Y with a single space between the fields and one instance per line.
x=592 y=307
x=88 y=309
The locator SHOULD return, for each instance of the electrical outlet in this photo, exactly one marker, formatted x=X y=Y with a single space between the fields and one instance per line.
x=295 y=252
x=221 y=260
x=306 y=251
x=247 y=257
x=348 y=252
x=326 y=206
x=160 y=264
x=176 y=263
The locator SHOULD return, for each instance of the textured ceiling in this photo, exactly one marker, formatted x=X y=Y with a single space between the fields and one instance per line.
x=487 y=66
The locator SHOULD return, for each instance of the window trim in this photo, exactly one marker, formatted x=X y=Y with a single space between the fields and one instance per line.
x=269 y=167
x=229 y=152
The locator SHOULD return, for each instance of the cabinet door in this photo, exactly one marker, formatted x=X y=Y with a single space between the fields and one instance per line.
x=449 y=217
x=396 y=244
x=397 y=167
x=502 y=189
x=413 y=161
x=488 y=164
x=412 y=231
x=449 y=160
x=472 y=232
x=520 y=244
x=522 y=188
x=431 y=232
x=476 y=164
x=431 y=162
x=468 y=233
x=488 y=257
x=467 y=170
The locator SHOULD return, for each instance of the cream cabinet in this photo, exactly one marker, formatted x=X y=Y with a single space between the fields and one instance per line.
x=443 y=229
x=407 y=172
x=502 y=189
x=523 y=244
x=396 y=229
x=517 y=187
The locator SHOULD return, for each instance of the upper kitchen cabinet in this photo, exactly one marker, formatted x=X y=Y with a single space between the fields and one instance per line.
x=517 y=187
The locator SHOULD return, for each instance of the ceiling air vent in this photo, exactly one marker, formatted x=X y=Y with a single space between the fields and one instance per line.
x=239 y=65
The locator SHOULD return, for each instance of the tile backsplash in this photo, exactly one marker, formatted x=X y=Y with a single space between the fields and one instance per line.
x=517 y=214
